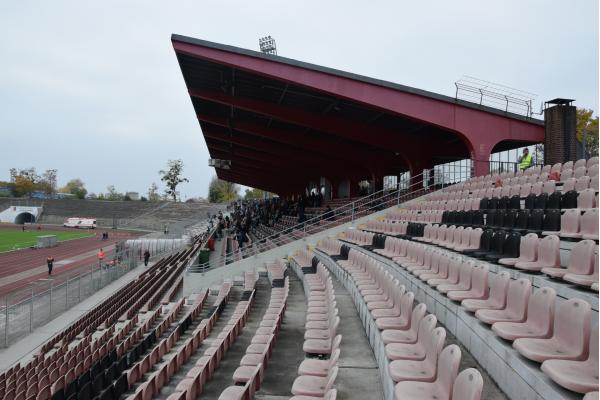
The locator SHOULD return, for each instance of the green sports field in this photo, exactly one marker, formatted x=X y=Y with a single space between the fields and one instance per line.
x=14 y=238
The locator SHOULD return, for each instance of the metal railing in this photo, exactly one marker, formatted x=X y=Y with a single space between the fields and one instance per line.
x=31 y=306
x=340 y=215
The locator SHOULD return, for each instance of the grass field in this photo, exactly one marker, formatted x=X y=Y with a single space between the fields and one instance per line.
x=12 y=239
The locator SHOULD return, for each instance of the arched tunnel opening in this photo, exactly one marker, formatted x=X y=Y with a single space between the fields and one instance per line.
x=24 y=218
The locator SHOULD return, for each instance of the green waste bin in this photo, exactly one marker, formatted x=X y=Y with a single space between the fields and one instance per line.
x=204 y=253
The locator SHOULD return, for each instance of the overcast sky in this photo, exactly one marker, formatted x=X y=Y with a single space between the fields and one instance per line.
x=94 y=89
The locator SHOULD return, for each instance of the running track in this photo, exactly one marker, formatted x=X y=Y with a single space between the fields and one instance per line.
x=17 y=261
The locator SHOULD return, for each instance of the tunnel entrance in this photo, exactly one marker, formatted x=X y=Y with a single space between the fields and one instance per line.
x=24 y=218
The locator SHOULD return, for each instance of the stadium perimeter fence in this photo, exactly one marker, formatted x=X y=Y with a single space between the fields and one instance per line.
x=29 y=307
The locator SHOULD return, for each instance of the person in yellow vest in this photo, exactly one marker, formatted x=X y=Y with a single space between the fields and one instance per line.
x=525 y=161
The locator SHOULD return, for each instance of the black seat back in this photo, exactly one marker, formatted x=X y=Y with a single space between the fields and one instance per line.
x=497 y=242
x=515 y=202
x=522 y=218
x=512 y=245
x=540 y=201
x=554 y=201
x=530 y=201
x=535 y=220
x=509 y=219
x=569 y=199
x=551 y=221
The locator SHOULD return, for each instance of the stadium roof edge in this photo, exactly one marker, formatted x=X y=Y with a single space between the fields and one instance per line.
x=353 y=76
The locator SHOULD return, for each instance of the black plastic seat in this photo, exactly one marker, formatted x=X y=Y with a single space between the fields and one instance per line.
x=445 y=215
x=509 y=220
x=553 y=201
x=484 y=243
x=499 y=221
x=530 y=201
x=59 y=395
x=484 y=203
x=468 y=218
x=85 y=393
x=551 y=221
x=121 y=386
x=515 y=202
x=521 y=221
x=510 y=248
x=503 y=203
x=460 y=217
x=490 y=218
x=477 y=219
x=493 y=203
x=496 y=245
x=535 y=221
x=540 y=201
x=569 y=199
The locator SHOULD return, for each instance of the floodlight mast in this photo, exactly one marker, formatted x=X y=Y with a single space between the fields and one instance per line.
x=267 y=45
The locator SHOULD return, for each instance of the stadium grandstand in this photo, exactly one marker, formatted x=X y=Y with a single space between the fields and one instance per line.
x=397 y=261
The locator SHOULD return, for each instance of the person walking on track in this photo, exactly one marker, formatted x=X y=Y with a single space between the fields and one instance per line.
x=50 y=261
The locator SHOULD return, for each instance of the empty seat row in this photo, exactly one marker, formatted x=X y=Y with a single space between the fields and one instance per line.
x=248 y=377
x=318 y=372
x=193 y=383
x=420 y=365
x=515 y=314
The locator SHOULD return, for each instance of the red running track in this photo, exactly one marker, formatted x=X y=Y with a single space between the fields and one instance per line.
x=17 y=261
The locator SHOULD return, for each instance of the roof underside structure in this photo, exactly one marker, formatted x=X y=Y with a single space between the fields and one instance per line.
x=284 y=123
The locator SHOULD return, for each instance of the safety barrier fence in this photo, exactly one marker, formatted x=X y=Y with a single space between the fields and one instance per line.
x=340 y=215
x=26 y=308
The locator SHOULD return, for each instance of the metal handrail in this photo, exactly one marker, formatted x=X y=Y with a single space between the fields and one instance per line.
x=281 y=237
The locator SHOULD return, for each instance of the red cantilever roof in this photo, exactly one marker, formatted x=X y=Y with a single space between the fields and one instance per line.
x=284 y=123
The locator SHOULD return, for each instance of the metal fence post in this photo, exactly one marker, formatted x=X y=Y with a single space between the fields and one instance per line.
x=92 y=279
x=353 y=211
x=6 y=322
x=79 y=289
x=31 y=310
x=50 y=314
x=67 y=294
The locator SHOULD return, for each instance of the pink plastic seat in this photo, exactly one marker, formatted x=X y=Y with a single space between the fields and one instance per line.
x=589 y=224
x=464 y=279
x=441 y=273
x=578 y=172
x=516 y=304
x=468 y=385
x=454 y=268
x=569 y=224
x=441 y=388
x=527 y=251
x=540 y=318
x=410 y=334
x=479 y=286
x=316 y=367
x=584 y=279
x=582 y=183
x=581 y=261
x=569 y=181
x=570 y=339
x=578 y=376
x=425 y=370
x=415 y=351
x=316 y=386
x=586 y=199
x=548 y=255
x=497 y=295
x=401 y=321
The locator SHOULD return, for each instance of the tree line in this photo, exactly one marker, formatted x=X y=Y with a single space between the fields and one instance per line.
x=27 y=182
